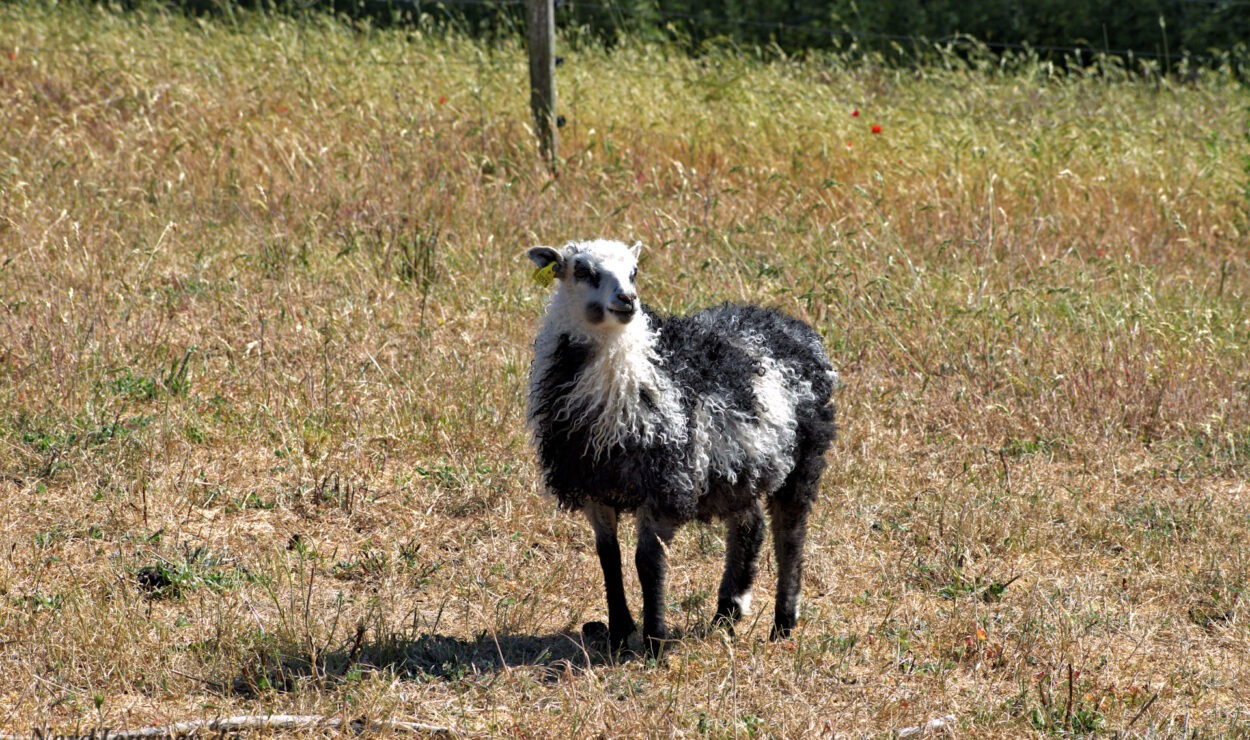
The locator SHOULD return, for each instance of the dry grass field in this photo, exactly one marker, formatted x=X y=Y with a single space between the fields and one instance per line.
x=265 y=330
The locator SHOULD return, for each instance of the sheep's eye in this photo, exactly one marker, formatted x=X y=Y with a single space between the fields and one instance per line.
x=582 y=272
x=633 y=275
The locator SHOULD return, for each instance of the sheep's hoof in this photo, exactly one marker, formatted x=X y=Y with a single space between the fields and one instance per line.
x=655 y=645
x=599 y=636
x=722 y=623
x=727 y=615
x=595 y=633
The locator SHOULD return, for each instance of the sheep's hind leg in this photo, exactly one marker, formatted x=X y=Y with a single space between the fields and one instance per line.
x=654 y=536
x=744 y=537
x=620 y=623
x=788 y=508
x=789 y=525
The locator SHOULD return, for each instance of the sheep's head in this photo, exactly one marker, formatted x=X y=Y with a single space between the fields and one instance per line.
x=595 y=282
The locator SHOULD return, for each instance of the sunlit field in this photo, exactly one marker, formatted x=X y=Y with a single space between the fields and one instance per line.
x=265 y=330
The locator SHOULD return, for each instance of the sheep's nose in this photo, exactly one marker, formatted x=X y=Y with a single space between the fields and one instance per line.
x=626 y=299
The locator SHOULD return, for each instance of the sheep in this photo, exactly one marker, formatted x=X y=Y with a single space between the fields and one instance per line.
x=715 y=414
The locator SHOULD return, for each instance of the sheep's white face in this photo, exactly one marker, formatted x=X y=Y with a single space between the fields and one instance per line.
x=596 y=282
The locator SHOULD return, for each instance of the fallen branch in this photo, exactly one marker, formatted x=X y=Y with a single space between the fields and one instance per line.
x=1141 y=711
x=251 y=722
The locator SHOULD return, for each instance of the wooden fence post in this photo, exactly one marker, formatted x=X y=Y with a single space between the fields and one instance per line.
x=541 y=20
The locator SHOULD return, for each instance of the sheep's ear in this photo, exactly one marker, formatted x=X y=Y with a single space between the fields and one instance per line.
x=636 y=249
x=544 y=255
x=550 y=263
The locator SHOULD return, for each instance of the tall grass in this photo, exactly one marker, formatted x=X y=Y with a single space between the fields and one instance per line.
x=266 y=332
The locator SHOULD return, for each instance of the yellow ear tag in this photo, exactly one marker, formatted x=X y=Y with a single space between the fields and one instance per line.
x=544 y=276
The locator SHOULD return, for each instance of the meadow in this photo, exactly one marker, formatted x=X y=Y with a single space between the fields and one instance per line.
x=265 y=331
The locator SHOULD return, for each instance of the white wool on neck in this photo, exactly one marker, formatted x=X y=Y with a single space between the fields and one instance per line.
x=605 y=396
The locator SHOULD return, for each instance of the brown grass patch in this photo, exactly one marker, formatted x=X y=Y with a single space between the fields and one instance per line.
x=265 y=336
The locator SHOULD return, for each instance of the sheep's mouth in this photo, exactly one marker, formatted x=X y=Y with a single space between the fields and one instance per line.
x=623 y=315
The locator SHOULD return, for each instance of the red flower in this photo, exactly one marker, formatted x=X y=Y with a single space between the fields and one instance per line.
x=855 y=113
x=12 y=56
x=876 y=129
x=442 y=100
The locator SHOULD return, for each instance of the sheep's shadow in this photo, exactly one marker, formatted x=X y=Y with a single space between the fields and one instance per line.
x=443 y=656
x=426 y=656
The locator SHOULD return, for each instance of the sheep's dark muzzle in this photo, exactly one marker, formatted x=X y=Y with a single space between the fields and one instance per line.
x=623 y=315
x=597 y=313
x=624 y=306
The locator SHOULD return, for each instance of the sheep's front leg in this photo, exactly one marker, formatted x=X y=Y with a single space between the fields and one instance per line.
x=620 y=623
x=744 y=537
x=654 y=535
